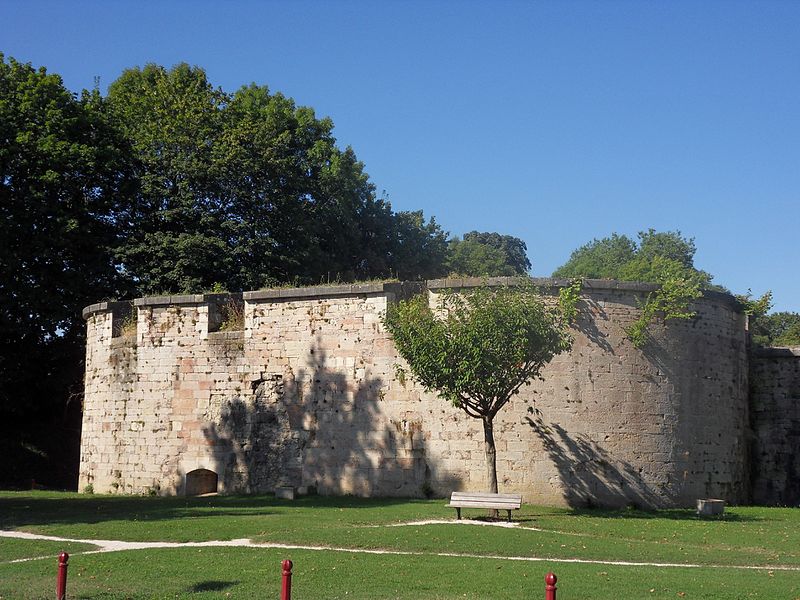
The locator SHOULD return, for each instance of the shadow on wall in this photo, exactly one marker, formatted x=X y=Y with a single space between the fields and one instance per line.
x=590 y=476
x=319 y=429
x=587 y=324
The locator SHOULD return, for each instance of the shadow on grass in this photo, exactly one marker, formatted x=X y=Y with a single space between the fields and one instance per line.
x=670 y=514
x=20 y=509
x=211 y=586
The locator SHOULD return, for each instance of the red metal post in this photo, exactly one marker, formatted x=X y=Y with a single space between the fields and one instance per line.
x=61 y=582
x=550 y=586
x=286 y=586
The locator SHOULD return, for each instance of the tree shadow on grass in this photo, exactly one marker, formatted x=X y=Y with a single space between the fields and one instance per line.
x=211 y=586
x=53 y=508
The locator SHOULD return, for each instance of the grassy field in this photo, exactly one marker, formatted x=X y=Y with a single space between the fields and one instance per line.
x=486 y=564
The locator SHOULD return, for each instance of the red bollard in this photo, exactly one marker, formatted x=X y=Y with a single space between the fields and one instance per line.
x=286 y=587
x=61 y=582
x=550 y=586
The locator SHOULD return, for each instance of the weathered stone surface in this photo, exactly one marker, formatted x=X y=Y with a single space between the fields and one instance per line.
x=308 y=396
x=775 y=394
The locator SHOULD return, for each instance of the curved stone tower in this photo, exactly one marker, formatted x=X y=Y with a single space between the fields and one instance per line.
x=306 y=394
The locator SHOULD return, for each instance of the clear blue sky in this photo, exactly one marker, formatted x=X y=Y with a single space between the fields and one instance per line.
x=557 y=122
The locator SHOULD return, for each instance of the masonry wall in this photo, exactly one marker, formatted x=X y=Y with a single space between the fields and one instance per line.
x=775 y=398
x=307 y=395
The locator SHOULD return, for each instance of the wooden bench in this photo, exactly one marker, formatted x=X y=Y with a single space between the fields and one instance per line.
x=507 y=502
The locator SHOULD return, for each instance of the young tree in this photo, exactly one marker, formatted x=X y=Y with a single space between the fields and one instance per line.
x=478 y=348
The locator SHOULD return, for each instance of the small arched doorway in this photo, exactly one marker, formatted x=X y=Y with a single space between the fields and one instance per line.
x=200 y=481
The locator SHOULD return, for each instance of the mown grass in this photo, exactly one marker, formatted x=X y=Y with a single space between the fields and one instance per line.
x=744 y=536
x=15 y=549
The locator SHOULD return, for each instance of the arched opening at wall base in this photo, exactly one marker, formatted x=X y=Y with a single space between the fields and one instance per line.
x=200 y=481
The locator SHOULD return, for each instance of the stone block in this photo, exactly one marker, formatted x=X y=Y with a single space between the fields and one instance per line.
x=710 y=507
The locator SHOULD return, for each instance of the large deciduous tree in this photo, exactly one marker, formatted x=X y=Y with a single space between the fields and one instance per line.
x=248 y=189
x=488 y=254
x=176 y=233
x=477 y=348
x=776 y=329
x=663 y=258
x=63 y=174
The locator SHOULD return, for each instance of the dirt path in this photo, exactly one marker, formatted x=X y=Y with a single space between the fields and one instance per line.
x=119 y=546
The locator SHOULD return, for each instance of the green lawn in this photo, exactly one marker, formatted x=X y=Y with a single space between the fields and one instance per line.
x=745 y=536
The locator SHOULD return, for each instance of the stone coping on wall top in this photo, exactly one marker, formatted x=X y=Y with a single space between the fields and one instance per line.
x=326 y=291
x=549 y=282
x=104 y=307
x=777 y=352
x=401 y=289
x=552 y=282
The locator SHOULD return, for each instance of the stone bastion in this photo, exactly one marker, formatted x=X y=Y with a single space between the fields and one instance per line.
x=308 y=395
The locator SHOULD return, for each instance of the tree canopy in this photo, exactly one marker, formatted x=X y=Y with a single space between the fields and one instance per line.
x=664 y=258
x=63 y=179
x=477 y=348
x=488 y=254
x=619 y=257
x=776 y=329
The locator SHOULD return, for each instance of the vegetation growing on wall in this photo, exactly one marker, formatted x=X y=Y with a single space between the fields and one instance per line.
x=664 y=258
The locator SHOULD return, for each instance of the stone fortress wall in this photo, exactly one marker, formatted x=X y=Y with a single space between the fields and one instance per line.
x=307 y=395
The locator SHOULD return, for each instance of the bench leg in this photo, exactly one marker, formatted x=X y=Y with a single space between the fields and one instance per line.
x=509 y=516
x=458 y=513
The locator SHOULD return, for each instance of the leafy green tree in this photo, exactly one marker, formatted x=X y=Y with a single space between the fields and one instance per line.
x=484 y=254
x=478 y=348
x=599 y=259
x=63 y=178
x=301 y=209
x=247 y=189
x=776 y=329
x=175 y=238
x=665 y=258
x=419 y=248
x=619 y=257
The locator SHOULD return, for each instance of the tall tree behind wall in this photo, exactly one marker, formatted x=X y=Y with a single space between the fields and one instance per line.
x=247 y=190
x=62 y=181
x=301 y=209
x=176 y=234
x=488 y=254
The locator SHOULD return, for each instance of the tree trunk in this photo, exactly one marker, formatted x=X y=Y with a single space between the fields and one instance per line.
x=491 y=455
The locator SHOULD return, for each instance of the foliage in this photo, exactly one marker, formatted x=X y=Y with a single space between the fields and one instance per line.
x=63 y=180
x=568 y=298
x=678 y=287
x=484 y=254
x=755 y=308
x=478 y=348
x=248 y=189
x=780 y=329
x=419 y=249
x=232 y=311
x=664 y=258
x=599 y=259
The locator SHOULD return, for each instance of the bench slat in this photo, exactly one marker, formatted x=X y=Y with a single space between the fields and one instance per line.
x=478 y=495
x=484 y=503
x=485 y=500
